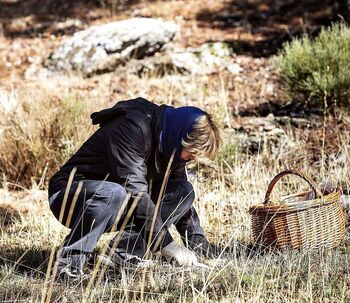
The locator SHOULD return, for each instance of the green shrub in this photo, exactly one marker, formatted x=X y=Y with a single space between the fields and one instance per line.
x=229 y=151
x=318 y=69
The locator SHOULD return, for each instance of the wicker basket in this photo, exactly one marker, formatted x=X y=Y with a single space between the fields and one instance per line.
x=299 y=224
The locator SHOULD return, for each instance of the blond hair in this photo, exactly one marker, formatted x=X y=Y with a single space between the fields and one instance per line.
x=204 y=139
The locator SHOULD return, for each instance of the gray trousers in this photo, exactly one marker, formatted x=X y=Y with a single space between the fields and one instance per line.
x=176 y=208
x=98 y=204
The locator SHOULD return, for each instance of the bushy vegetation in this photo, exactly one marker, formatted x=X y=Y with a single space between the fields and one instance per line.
x=318 y=69
x=38 y=136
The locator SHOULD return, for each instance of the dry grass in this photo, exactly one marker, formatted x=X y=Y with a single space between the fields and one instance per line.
x=50 y=120
x=222 y=202
x=42 y=122
x=276 y=277
x=45 y=122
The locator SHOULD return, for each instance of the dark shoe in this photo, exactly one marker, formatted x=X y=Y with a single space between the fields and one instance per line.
x=70 y=269
x=72 y=276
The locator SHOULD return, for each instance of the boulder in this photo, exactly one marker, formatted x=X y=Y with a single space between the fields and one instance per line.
x=272 y=140
x=207 y=59
x=257 y=134
x=102 y=48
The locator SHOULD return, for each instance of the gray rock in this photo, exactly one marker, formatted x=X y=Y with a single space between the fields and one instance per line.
x=297 y=122
x=102 y=48
x=257 y=125
x=256 y=142
x=207 y=59
x=258 y=134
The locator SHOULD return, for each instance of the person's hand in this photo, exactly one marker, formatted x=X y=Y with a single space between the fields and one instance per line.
x=181 y=255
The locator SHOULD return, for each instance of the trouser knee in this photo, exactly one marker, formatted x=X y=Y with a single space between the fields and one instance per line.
x=188 y=193
x=118 y=196
x=181 y=192
x=178 y=199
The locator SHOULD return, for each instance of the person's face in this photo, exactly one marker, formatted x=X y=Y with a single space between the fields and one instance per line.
x=186 y=155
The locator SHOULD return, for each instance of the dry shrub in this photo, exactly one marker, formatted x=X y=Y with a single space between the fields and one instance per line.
x=39 y=132
x=8 y=215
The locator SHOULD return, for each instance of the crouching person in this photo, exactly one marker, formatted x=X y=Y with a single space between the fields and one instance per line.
x=138 y=147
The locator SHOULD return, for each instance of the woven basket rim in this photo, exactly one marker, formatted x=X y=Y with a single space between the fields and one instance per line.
x=332 y=197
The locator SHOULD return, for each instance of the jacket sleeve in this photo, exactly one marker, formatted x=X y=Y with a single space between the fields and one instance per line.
x=179 y=172
x=127 y=147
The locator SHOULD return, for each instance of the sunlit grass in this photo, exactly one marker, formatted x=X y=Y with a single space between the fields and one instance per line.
x=223 y=208
x=225 y=189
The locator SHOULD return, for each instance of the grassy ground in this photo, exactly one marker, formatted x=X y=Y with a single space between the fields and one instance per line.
x=225 y=189
x=43 y=121
x=314 y=276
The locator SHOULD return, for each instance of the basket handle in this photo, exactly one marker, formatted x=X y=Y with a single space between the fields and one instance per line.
x=290 y=172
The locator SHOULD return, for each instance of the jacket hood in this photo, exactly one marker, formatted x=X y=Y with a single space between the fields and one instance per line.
x=106 y=115
x=121 y=108
x=176 y=125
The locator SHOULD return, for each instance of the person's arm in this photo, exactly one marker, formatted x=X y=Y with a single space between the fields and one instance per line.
x=179 y=172
x=189 y=223
x=127 y=147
